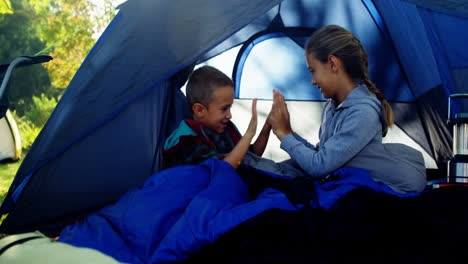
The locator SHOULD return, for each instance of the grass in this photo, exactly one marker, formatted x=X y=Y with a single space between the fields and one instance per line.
x=7 y=174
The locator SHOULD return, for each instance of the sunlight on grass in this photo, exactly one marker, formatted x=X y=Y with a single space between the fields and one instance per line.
x=7 y=174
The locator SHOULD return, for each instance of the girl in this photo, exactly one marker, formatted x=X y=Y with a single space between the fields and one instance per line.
x=354 y=119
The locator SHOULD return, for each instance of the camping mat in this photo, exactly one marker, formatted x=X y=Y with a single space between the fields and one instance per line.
x=34 y=247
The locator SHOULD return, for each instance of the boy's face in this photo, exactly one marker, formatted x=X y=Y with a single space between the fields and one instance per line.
x=216 y=115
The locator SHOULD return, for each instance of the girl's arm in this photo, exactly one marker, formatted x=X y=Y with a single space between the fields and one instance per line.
x=237 y=154
x=357 y=130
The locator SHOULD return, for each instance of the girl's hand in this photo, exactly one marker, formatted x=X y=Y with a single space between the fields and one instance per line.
x=279 y=116
x=252 y=129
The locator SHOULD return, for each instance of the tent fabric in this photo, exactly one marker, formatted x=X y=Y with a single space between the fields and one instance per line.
x=408 y=35
x=452 y=43
x=238 y=38
x=5 y=74
x=352 y=15
x=103 y=79
x=408 y=117
x=10 y=140
x=112 y=80
x=103 y=138
x=7 y=144
x=452 y=7
x=429 y=33
x=460 y=78
x=433 y=112
x=137 y=160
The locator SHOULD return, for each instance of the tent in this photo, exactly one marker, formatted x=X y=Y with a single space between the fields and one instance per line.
x=10 y=141
x=10 y=144
x=105 y=135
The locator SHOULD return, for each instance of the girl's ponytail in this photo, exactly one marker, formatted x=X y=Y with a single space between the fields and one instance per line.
x=337 y=41
x=386 y=108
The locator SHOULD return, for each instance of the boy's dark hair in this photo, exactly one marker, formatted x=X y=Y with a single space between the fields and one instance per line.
x=202 y=83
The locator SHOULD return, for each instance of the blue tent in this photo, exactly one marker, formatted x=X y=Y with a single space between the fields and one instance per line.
x=105 y=135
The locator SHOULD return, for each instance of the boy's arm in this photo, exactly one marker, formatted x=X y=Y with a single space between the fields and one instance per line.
x=260 y=144
x=237 y=154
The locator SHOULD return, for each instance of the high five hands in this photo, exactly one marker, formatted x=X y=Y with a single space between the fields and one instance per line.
x=279 y=116
x=252 y=128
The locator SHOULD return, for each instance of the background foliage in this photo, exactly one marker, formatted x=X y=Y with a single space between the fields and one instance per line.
x=63 y=29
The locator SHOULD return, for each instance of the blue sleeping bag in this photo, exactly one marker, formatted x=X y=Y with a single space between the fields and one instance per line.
x=176 y=212
x=179 y=210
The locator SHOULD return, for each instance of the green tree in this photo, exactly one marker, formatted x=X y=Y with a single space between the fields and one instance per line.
x=18 y=37
x=69 y=28
x=41 y=109
x=5 y=7
x=63 y=29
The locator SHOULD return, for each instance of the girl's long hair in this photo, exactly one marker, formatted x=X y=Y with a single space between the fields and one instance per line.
x=337 y=41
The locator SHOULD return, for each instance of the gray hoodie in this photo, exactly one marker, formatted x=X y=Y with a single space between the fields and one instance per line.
x=351 y=136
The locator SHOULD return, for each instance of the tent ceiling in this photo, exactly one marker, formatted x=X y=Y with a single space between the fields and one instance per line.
x=457 y=7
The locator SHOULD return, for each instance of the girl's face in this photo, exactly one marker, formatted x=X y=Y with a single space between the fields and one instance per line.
x=322 y=76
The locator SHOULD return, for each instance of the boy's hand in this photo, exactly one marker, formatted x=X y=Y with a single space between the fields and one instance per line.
x=252 y=129
x=238 y=152
x=268 y=119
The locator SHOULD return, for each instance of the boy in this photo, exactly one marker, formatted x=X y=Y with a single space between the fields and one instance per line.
x=210 y=133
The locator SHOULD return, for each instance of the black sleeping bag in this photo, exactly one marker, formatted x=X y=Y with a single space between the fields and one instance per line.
x=362 y=226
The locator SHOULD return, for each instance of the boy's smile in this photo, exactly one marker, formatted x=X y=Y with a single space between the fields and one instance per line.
x=218 y=112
